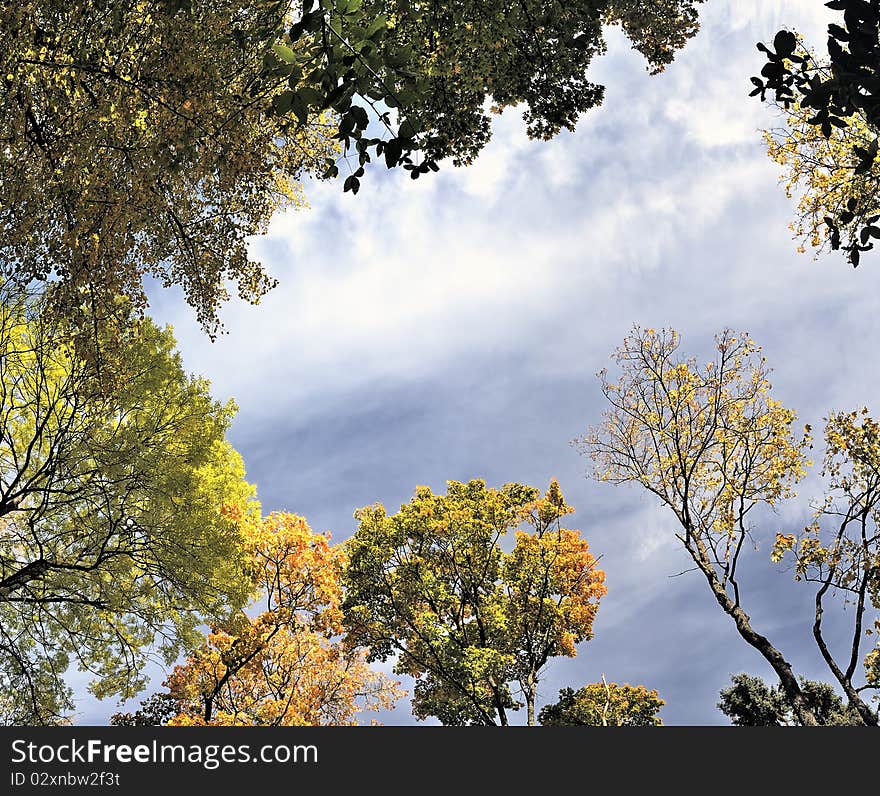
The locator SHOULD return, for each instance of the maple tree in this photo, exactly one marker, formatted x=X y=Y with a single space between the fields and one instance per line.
x=114 y=483
x=604 y=705
x=473 y=623
x=829 y=143
x=288 y=665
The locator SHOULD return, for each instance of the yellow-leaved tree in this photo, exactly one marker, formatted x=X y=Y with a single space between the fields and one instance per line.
x=116 y=483
x=715 y=447
x=712 y=444
x=839 y=551
x=821 y=174
x=289 y=665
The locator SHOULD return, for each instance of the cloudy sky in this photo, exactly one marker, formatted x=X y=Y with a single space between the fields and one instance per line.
x=451 y=328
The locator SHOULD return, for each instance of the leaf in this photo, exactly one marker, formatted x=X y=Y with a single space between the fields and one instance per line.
x=407 y=130
x=284 y=53
x=310 y=97
x=838 y=33
x=282 y=102
x=360 y=116
x=300 y=109
x=346 y=125
x=379 y=24
x=393 y=150
x=785 y=43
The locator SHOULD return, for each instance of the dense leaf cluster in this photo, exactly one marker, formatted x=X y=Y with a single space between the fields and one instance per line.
x=836 y=90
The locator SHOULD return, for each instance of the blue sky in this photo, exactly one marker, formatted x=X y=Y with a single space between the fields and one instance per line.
x=451 y=328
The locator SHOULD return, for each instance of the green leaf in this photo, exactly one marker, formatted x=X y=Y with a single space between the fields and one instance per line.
x=380 y=23
x=282 y=102
x=311 y=98
x=284 y=53
x=300 y=110
x=407 y=130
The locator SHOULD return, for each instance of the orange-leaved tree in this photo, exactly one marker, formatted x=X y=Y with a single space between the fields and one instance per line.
x=289 y=665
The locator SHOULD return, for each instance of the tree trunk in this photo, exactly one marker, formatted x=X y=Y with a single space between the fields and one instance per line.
x=773 y=656
x=855 y=701
x=528 y=687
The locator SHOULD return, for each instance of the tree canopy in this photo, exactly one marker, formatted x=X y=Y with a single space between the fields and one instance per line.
x=750 y=702
x=474 y=624
x=137 y=140
x=604 y=705
x=839 y=551
x=444 y=69
x=712 y=443
x=115 y=497
x=150 y=140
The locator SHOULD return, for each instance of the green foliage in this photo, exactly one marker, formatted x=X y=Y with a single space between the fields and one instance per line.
x=155 y=711
x=750 y=702
x=116 y=490
x=434 y=586
x=152 y=139
x=445 y=68
x=604 y=705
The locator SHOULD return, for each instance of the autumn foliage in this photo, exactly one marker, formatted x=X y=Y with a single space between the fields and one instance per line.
x=288 y=665
x=604 y=705
x=712 y=443
x=474 y=624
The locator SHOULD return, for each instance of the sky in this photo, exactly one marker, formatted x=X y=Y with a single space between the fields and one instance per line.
x=451 y=328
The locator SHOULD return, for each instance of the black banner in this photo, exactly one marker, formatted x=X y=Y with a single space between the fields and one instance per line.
x=124 y=760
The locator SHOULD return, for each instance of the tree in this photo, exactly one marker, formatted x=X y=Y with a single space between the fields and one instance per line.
x=839 y=551
x=116 y=487
x=287 y=665
x=445 y=68
x=473 y=624
x=713 y=445
x=604 y=705
x=750 y=702
x=153 y=139
x=138 y=140
x=155 y=711
x=829 y=145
